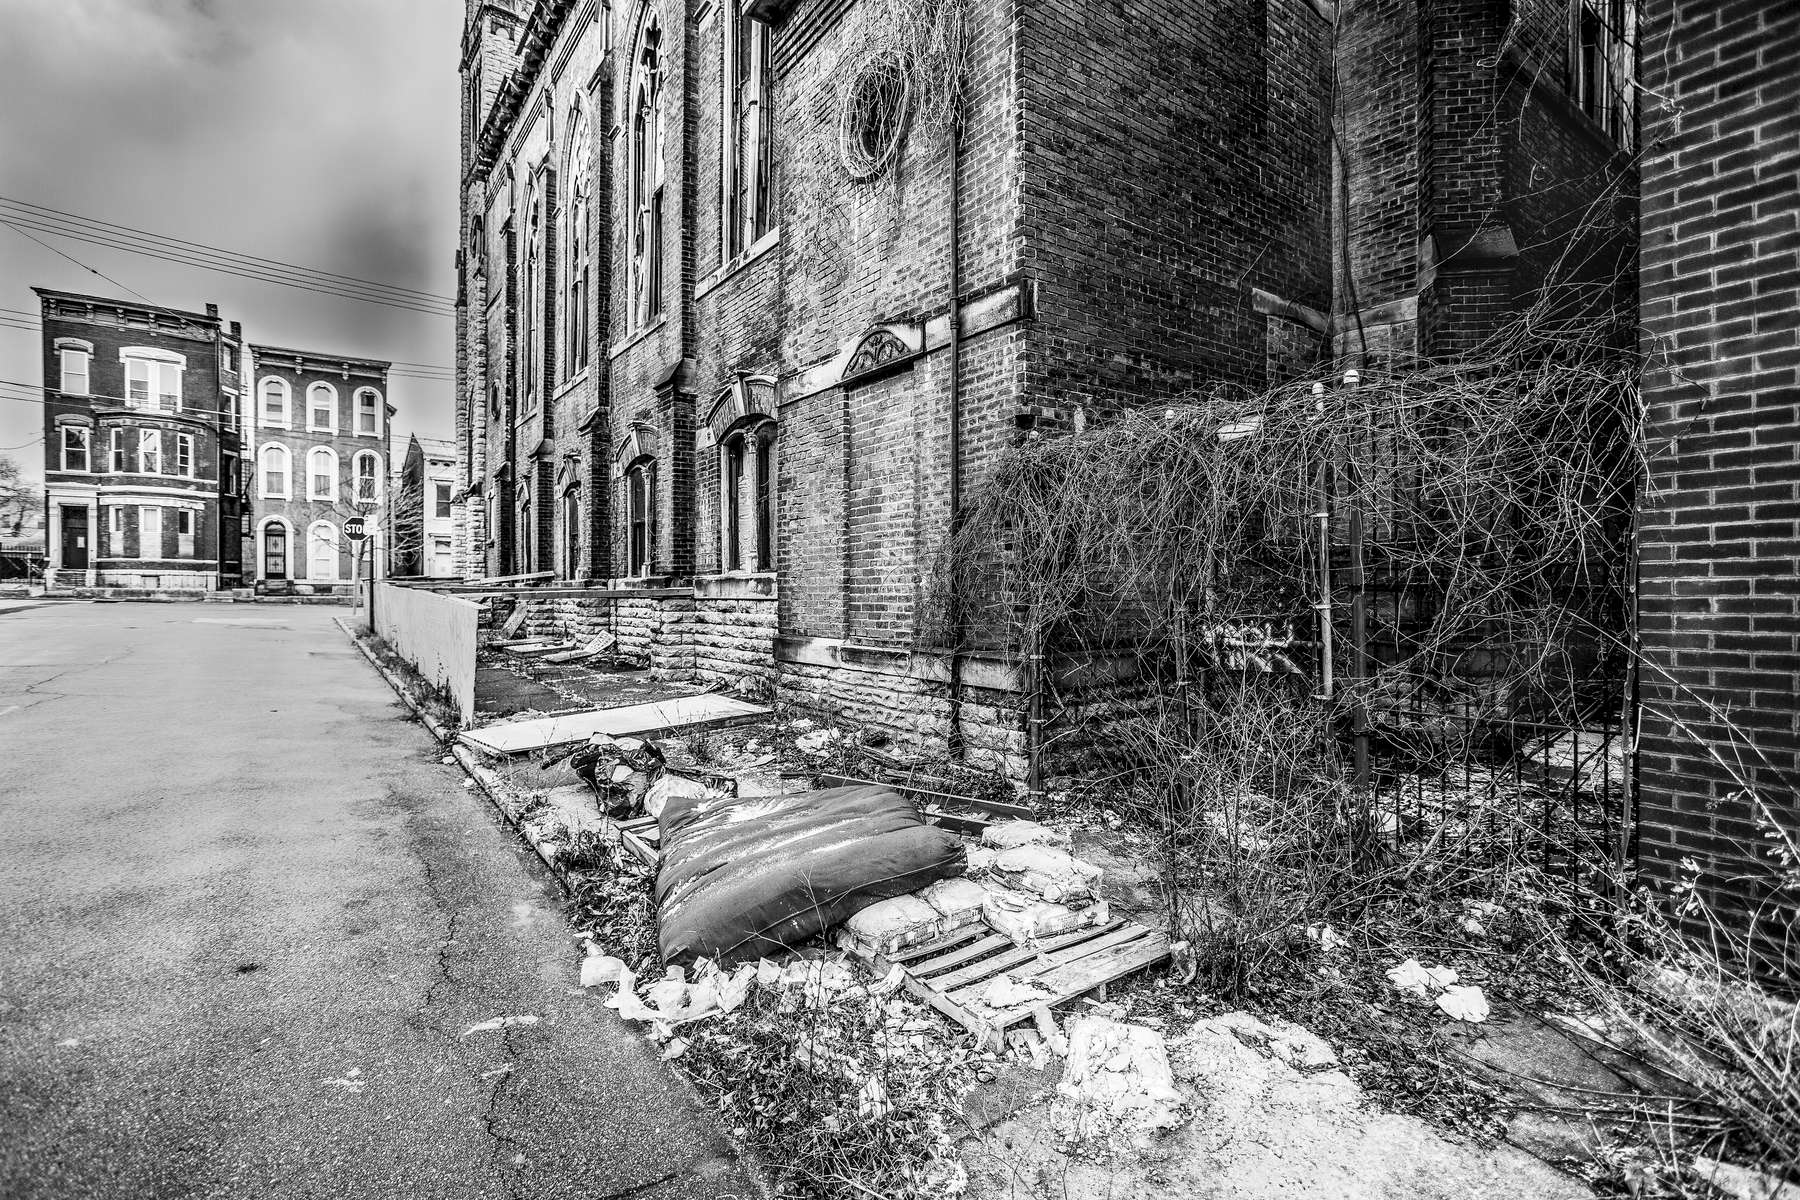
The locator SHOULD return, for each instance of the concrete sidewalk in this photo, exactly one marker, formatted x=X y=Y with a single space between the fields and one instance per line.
x=247 y=919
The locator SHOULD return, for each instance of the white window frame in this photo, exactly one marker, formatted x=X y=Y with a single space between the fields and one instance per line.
x=184 y=455
x=115 y=531
x=374 y=412
x=313 y=390
x=82 y=441
x=184 y=538
x=328 y=456
x=285 y=420
x=356 y=492
x=150 y=451
x=441 y=491
x=115 y=450
x=262 y=471
x=163 y=371
x=64 y=356
x=145 y=522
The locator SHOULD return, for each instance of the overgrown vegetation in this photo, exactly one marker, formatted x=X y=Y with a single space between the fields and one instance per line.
x=1450 y=760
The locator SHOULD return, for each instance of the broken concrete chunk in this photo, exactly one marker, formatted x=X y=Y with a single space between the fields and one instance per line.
x=1117 y=1084
x=1004 y=835
x=889 y=926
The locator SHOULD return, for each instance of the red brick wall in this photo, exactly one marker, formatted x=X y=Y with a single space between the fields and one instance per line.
x=1720 y=610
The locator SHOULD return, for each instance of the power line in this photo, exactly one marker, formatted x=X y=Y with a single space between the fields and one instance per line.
x=62 y=216
x=76 y=261
x=191 y=260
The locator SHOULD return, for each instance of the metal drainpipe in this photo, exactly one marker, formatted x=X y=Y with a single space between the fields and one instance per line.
x=954 y=739
x=1323 y=517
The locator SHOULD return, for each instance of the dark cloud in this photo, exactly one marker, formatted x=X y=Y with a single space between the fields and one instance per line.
x=319 y=132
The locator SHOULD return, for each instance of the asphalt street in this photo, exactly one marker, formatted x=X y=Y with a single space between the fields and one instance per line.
x=249 y=923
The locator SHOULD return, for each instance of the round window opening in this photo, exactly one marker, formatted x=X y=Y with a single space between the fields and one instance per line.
x=874 y=117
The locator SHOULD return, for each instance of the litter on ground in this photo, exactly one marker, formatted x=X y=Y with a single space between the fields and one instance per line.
x=489 y=1026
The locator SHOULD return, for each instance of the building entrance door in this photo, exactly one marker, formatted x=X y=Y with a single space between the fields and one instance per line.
x=275 y=552
x=74 y=537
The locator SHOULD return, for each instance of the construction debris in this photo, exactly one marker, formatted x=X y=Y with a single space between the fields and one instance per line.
x=1116 y=1086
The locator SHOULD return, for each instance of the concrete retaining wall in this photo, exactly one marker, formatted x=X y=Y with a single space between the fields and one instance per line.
x=436 y=634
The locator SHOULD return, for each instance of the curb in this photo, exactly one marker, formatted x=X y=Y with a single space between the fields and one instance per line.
x=753 y=1167
x=485 y=779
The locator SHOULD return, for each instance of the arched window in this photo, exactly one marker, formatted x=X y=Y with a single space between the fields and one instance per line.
x=276 y=465
x=640 y=490
x=647 y=174
x=531 y=311
x=747 y=497
x=275 y=402
x=321 y=407
x=368 y=477
x=322 y=474
x=525 y=533
x=571 y=540
x=368 y=412
x=577 y=247
x=322 y=552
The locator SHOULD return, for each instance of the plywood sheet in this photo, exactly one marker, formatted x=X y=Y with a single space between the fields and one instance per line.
x=681 y=712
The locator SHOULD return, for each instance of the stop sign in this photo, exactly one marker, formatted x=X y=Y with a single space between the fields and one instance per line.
x=354 y=528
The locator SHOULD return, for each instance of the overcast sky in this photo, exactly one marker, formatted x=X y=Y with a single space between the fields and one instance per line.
x=317 y=132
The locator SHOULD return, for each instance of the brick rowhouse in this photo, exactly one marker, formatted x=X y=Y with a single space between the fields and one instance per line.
x=710 y=269
x=142 y=445
x=321 y=426
x=1719 y=613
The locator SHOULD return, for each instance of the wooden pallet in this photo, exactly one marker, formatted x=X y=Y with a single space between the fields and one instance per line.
x=952 y=973
x=642 y=837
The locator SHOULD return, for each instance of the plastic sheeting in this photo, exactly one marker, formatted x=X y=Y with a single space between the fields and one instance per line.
x=742 y=878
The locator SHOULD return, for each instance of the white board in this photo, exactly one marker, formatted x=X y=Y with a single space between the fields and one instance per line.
x=681 y=712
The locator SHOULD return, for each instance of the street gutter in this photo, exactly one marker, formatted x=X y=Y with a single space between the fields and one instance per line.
x=485 y=779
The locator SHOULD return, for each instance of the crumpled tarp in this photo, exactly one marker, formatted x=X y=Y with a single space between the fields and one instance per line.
x=741 y=879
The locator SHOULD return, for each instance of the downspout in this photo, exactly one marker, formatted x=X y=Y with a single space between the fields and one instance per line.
x=958 y=631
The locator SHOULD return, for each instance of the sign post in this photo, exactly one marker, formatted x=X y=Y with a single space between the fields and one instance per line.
x=356 y=530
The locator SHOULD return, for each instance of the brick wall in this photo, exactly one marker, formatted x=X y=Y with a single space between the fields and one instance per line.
x=1172 y=157
x=1719 y=614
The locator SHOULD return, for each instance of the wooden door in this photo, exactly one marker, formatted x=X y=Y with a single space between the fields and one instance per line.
x=74 y=537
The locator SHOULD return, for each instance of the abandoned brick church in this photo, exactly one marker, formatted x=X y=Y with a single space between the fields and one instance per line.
x=747 y=301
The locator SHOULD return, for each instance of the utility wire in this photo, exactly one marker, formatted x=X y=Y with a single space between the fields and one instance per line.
x=62 y=216
x=76 y=261
x=225 y=268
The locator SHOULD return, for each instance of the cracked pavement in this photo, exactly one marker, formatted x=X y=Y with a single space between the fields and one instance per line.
x=247 y=921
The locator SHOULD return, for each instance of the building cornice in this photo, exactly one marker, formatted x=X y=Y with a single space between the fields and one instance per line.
x=278 y=358
x=535 y=41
